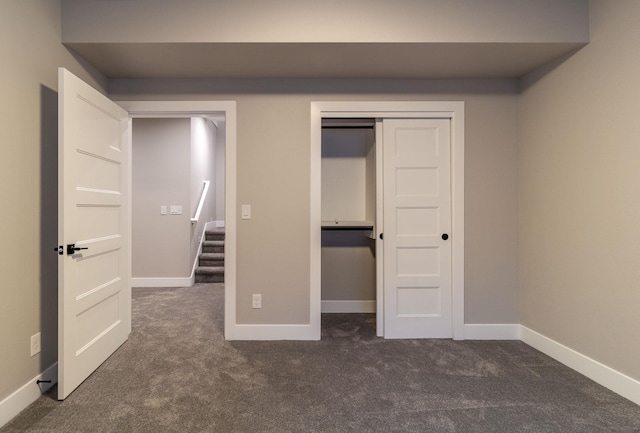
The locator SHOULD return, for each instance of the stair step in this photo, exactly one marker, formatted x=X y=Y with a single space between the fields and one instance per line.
x=211 y=259
x=210 y=274
x=216 y=234
x=213 y=247
x=210 y=270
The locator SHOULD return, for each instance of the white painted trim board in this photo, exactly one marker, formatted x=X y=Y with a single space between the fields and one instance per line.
x=602 y=374
x=175 y=281
x=20 y=399
x=492 y=331
x=329 y=306
x=162 y=282
x=616 y=381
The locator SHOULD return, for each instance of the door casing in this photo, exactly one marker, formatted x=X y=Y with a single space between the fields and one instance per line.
x=177 y=109
x=452 y=110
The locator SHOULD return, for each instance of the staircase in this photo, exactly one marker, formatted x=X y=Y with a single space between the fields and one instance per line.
x=211 y=261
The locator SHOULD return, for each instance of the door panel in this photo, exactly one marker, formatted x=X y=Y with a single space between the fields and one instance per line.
x=94 y=291
x=417 y=211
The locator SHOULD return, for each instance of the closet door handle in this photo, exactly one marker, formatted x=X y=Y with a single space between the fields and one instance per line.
x=445 y=236
x=381 y=236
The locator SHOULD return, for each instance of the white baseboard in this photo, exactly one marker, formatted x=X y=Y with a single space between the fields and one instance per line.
x=177 y=281
x=617 y=382
x=27 y=394
x=491 y=331
x=163 y=282
x=348 y=307
x=270 y=332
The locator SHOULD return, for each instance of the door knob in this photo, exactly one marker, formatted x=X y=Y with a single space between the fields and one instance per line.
x=445 y=236
x=71 y=249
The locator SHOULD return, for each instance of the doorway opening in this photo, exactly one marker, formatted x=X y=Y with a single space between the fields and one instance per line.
x=348 y=252
x=208 y=110
x=177 y=196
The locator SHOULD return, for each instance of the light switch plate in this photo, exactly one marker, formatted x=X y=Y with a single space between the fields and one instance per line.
x=246 y=211
x=163 y=210
x=175 y=210
x=256 y=300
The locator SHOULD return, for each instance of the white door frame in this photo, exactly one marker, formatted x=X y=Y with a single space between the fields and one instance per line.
x=177 y=109
x=453 y=110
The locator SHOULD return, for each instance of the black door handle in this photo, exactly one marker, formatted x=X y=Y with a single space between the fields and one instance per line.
x=71 y=249
x=445 y=237
x=381 y=236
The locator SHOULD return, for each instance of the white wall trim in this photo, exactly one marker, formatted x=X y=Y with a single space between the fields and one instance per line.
x=27 y=394
x=453 y=110
x=175 y=281
x=208 y=226
x=500 y=331
x=348 y=306
x=163 y=282
x=379 y=223
x=270 y=332
x=617 y=382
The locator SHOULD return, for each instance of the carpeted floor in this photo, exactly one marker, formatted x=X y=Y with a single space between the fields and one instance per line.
x=177 y=374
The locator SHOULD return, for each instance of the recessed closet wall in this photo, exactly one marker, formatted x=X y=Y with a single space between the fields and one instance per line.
x=348 y=216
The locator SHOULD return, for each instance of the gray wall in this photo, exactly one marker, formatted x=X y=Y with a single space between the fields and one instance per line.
x=348 y=271
x=579 y=187
x=273 y=145
x=31 y=51
x=203 y=164
x=219 y=169
x=161 y=176
x=348 y=194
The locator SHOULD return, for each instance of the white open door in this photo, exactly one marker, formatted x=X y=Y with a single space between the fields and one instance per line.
x=94 y=288
x=417 y=224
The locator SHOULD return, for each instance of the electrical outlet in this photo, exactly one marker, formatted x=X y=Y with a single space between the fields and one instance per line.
x=163 y=210
x=35 y=344
x=256 y=301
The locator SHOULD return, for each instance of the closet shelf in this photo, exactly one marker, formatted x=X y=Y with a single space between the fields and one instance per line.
x=347 y=225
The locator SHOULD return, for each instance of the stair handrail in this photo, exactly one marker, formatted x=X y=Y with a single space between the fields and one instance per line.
x=205 y=191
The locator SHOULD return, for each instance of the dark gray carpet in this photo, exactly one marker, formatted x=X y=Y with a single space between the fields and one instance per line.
x=177 y=374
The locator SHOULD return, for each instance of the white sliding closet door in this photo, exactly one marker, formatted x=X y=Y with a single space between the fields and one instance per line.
x=417 y=224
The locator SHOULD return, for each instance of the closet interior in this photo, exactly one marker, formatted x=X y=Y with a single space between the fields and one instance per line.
x=348 y=212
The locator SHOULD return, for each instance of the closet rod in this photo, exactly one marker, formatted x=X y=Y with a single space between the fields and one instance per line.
x=348 y=123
